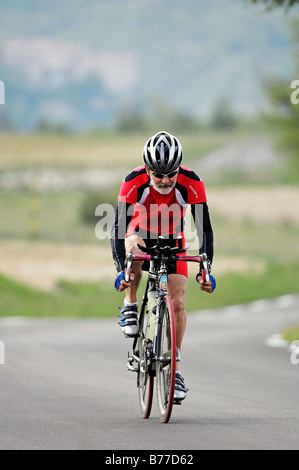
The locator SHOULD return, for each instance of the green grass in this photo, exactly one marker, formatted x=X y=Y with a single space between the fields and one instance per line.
x=291 y=333
x=235 y=289
x=101 y=300
x=257 y=240
x=57 y=219
x=67 y=300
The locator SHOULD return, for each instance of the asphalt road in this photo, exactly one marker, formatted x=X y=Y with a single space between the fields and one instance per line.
x=64 y=385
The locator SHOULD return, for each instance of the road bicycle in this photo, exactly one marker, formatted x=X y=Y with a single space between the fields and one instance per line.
x=154 y=353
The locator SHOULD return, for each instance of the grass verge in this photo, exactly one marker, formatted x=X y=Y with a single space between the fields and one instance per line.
x=101 y=300
x=291 y=334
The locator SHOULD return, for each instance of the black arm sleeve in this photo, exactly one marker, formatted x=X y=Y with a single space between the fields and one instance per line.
x=201 y=216
x=118 y=233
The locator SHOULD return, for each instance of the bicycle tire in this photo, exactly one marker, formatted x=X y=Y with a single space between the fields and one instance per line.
x=145 y=378
x=166 y=359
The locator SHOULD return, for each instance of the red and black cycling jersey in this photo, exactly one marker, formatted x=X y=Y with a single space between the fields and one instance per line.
x=142 y=210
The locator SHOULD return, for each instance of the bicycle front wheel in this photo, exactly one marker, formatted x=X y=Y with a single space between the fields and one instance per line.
x=145 y=377
x=166 y=359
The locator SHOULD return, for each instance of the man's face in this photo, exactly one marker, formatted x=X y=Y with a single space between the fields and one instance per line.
x=162 y=185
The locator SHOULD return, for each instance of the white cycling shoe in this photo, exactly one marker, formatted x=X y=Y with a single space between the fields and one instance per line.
x=180 y=391
x=129 y=320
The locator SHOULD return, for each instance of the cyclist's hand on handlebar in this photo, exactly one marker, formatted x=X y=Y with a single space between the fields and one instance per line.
x=206 y=286
x=120 y=283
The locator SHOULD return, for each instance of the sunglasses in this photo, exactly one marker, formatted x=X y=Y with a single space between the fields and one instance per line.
x=160 y=176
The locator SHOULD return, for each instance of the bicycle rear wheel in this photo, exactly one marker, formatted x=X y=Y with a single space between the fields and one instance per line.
x=166 y=359
x=145 y=377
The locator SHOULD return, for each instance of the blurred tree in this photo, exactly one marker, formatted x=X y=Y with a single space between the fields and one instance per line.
x=160 y=116
x=183 y=122
x=44 y=126
x=91 y=199
x=223 y=116
x=166 y=117
x=277 y=3
x=131 y=119
x=284 y=119
x=6 y=122
x=283 y=96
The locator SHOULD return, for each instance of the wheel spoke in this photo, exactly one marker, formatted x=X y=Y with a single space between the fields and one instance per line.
x=145 y=381
x=166 y=360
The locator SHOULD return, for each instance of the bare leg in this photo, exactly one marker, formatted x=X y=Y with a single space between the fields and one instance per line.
x=131 y=247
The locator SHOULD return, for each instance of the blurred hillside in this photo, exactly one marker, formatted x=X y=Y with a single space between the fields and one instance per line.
x=84 y=63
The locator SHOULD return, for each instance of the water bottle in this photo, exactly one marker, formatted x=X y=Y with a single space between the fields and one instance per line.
x=152 y=305
x=163 y=283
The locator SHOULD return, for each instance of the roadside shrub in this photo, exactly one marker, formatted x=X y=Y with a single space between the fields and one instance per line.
x=92 y=199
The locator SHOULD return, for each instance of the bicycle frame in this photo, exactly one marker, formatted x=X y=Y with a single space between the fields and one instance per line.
x=153 y=284
x=154 y=277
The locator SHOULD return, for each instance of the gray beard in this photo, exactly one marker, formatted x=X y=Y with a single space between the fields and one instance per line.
x=162 y=190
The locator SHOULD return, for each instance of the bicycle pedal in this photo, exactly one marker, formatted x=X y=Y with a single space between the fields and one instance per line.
x=130 y=336
x=177 y=402
x=132 y=368
x=130 y=364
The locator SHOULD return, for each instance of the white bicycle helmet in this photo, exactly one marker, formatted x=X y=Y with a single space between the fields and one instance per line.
x=162 y=153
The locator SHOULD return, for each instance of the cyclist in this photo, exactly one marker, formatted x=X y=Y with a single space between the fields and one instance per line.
x=153 y=200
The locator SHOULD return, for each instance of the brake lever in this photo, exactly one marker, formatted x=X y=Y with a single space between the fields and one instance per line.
x=205 y=270
x=128 y=266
